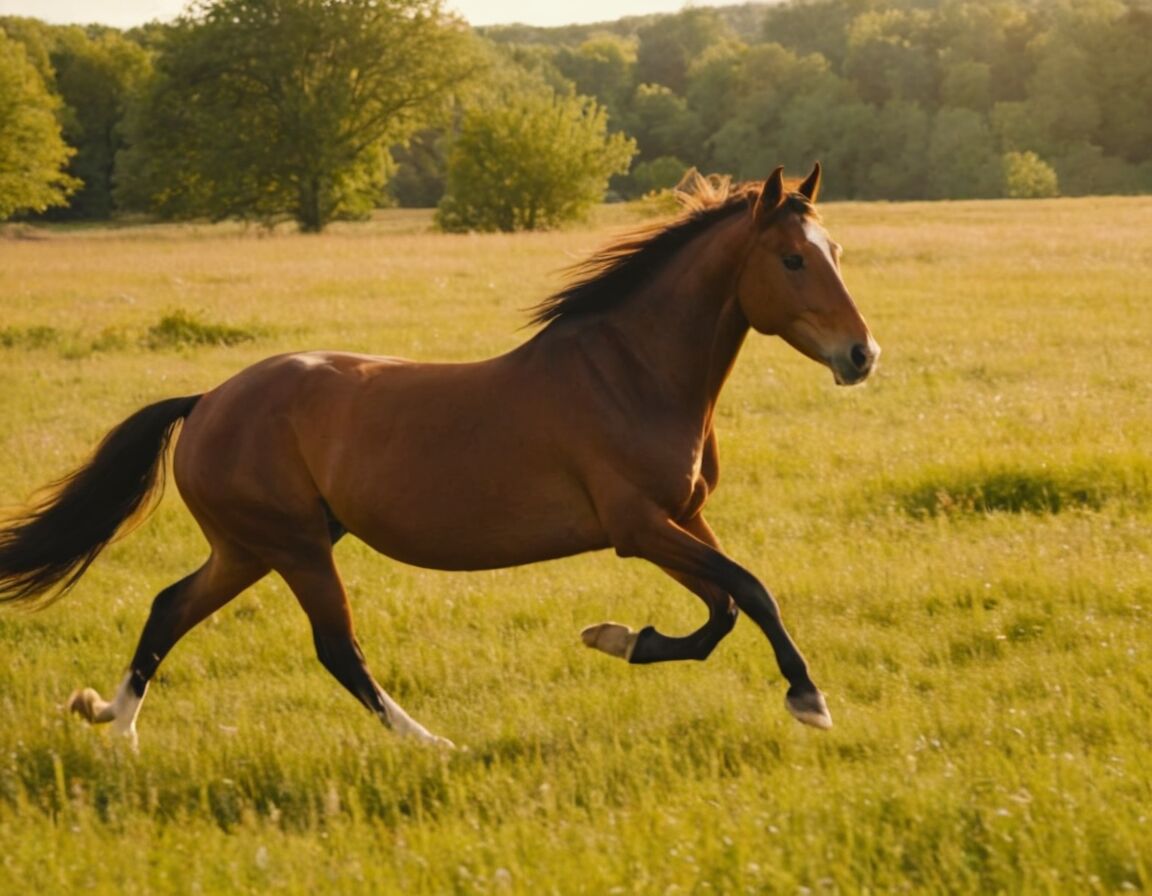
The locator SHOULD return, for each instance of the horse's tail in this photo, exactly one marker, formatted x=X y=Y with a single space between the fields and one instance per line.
x=45 y=549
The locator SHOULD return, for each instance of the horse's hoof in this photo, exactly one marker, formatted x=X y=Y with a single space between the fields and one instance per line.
x=809 y=707
x=86 y=703
x=612 y=638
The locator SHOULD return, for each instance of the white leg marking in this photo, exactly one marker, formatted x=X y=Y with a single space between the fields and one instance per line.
x=406 y=726
x=613 y=638
x=121 y=712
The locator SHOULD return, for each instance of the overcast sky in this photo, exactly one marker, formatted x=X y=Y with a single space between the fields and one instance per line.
x=127 y=13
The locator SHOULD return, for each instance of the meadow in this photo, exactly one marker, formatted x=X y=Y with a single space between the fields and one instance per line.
x=962 y=548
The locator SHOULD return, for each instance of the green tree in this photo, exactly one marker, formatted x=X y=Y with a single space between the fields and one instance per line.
x=96 y=75
x=1116 y=38
x=888 y=57
x=961 y=157
x=663 y=124
x=270 y=109
x=421 y=168
x=602 y=67
x=670 y=45
x=32 y=151
x=896 y=166
x=530 y=159
x=786 y=109
x=1027 y=176
x=660 y=174
x=716 y=86
x=815 y=26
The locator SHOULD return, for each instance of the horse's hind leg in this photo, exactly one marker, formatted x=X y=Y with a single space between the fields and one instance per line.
x=176 y=610
x=650 y=646
x=313 y=579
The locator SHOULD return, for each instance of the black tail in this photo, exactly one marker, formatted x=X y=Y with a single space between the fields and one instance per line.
x=47 y=548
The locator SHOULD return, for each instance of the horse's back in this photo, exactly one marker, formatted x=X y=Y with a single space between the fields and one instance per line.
x=443 y=465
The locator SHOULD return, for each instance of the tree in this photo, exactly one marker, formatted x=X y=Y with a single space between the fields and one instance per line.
x=32 y=152
x=786 y=109
x=96 y=75
x=529 y=159
x=660 y=174
x=1027 y=176
x=269 y=109
x=670 y=45
x=961 y=157
x=897 y=140
x=663 y=125
x=602 y=67
x=888 y=59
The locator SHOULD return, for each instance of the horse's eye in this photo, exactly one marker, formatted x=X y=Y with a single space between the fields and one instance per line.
x=793 y=262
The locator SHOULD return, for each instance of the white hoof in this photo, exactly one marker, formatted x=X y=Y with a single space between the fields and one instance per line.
x=88 y=704
x=394 y=717
x=810 y=709
x=423 y=736
x=612 y=638
x=121 y=712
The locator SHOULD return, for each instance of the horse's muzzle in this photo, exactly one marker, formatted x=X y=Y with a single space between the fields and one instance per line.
x=854 y=365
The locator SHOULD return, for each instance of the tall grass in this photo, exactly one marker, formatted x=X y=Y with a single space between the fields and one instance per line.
x=962 y=548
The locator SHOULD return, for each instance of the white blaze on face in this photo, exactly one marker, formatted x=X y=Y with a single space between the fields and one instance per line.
x=818 y=237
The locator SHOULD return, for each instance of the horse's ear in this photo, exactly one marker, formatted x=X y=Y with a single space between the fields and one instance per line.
x=811 y=185
x=771 y=197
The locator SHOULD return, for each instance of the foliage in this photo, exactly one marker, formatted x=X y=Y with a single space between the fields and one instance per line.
x=179 y=328
x=32 y=151
x=658 y=174
x=669 y=46
x=96 y=75
x=908 y=100
x=1027 y=176
x=529 y=160
x=603 y=67
x=268 y=109
x=963 y=549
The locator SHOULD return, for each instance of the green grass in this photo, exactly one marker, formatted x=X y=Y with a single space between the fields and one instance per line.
x=963 y=549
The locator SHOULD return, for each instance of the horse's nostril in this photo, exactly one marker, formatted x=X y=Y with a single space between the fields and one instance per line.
x=860 y=357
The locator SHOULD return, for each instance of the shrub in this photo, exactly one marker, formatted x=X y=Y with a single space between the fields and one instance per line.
x=1027 y=176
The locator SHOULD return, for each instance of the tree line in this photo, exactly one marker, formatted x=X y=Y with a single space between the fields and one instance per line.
x=315 y=110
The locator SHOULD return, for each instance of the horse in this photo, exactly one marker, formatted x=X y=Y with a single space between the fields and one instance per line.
x=595 y=433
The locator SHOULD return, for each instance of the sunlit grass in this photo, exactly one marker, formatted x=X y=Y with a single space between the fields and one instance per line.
x=962 y=548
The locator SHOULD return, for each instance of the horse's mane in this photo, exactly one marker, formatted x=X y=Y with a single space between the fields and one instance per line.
x=615 y=271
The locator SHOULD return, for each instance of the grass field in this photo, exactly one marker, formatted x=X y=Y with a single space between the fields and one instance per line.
x=963 y=549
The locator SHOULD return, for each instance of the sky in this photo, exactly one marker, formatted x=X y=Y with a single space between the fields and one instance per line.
x=128 y=13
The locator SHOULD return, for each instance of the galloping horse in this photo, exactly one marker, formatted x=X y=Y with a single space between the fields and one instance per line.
x=595 y=433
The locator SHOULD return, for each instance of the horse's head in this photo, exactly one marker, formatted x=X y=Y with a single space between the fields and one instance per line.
x=790 y=285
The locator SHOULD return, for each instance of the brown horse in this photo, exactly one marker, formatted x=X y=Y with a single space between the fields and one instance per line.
x=595 y=433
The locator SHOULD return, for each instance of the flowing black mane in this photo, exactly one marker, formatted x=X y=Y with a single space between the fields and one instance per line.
x=614 y=272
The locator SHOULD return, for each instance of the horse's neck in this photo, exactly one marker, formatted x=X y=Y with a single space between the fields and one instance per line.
x=685 y=328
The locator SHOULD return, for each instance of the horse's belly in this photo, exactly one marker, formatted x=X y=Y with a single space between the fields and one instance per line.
x=445 y=522
x=496 y=540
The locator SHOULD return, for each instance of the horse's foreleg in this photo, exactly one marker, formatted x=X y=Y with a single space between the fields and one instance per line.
x=650 y=646
x=176 y=610
x=317 y=587
x=655 y=538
